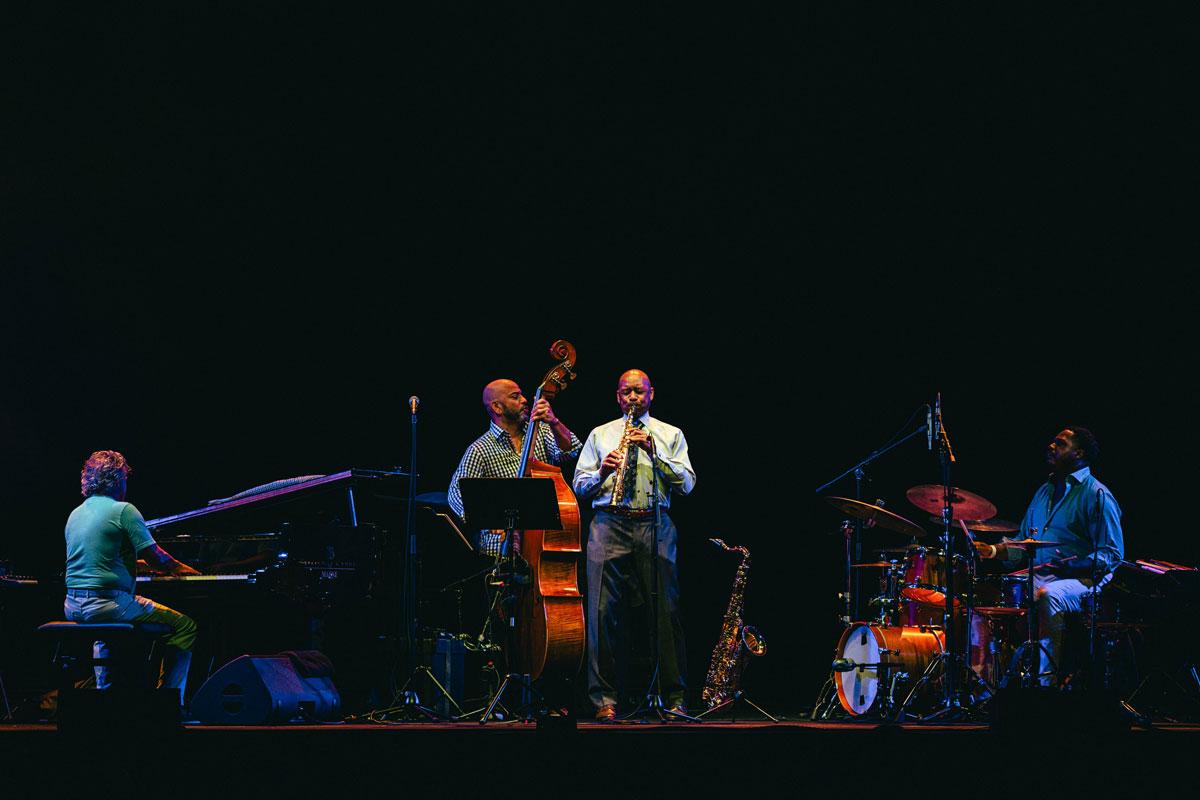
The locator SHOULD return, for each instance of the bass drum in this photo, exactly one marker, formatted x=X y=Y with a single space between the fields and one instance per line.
x=906 y=650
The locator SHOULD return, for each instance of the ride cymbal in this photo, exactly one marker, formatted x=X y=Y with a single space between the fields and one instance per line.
x=877 y=514
x=965 y=505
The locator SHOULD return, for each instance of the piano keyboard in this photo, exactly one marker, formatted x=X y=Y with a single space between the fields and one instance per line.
x=189 y=578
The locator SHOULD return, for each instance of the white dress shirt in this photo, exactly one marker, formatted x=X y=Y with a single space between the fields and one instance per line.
x=674 y=468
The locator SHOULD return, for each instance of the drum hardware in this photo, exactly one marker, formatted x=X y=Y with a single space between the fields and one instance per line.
x=954 y=503
x=854 y=544
x=1031 y=649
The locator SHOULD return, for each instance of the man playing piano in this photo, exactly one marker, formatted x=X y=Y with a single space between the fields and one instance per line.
x=105 y=537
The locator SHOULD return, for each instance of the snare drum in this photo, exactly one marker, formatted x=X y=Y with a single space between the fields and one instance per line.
x=925 y=576
x=1001 y=594
x=903 y=652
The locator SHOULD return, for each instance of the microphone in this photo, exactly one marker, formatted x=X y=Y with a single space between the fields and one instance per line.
x=937 y=416
x=929 y=426
x=844 y=664
x=413 y=402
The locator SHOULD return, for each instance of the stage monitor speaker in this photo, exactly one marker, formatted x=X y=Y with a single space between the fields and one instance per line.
x=260 y=690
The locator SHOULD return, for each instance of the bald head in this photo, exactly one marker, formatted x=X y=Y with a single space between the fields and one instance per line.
x=502 y=399
x=633 y=388
x=634 y=374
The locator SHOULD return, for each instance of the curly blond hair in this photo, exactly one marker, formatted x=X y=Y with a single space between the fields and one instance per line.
x=104 y=473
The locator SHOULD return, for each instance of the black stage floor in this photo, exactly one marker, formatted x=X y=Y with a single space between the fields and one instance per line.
x=832 y=759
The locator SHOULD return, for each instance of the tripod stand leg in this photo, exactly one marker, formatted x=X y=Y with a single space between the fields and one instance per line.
x=823 y=707
x=758 y=708
x=714 y=709
x=495 y=700
x=428 y=673
x=528 y=695
x=4 y=696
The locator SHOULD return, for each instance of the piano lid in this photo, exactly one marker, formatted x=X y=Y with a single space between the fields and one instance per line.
x=285 y=491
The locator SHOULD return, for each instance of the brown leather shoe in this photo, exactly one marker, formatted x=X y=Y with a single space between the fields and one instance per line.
x=606 y=714
x=679 y=708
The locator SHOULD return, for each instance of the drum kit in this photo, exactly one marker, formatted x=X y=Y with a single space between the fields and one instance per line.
x=889 y=666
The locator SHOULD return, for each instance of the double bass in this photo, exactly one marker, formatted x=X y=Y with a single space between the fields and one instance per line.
x=550 y=622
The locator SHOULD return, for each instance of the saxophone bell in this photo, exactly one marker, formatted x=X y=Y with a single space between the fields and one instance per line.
x=753 y=641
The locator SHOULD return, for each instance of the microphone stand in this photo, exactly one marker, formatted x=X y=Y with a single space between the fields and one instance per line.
x=953 y=660
x=409 y=590
x=654 y=701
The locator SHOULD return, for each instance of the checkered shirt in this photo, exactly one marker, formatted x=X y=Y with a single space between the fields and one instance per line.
x=492 y=456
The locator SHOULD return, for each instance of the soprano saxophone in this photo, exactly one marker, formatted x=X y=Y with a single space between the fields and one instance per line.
x=737 y=640
x=618 y=492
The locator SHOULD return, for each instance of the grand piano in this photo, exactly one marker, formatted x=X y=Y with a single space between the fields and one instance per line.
x=306 y=535
x=303 y=563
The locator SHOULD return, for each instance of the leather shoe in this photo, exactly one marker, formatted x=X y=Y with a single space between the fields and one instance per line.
x=679 y=708
x=606 y=714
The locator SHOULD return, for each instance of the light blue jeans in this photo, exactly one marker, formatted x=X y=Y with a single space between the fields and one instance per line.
x=114 y=605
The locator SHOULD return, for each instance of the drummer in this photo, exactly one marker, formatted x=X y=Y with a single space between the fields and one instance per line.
x=1078 y=512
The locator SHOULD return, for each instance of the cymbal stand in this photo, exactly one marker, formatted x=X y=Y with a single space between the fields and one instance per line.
x=827 y=701
x=852 y=610
x=1032 y=648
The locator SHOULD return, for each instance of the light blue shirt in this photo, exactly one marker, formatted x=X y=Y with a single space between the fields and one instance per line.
x=1087 y=509
x=674 y=468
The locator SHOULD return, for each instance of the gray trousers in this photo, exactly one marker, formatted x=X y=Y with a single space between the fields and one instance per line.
x=618 y=573
x=113 y=605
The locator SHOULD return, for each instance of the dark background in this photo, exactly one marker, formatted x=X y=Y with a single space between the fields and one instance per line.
x=236 y=240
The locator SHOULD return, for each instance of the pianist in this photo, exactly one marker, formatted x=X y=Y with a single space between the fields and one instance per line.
x=105 y=537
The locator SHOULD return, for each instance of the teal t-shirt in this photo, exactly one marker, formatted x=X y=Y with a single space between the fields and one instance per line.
x=103 y=539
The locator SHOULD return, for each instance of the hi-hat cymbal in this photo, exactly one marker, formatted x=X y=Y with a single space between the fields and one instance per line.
x=992 y=526
x=985 y=526
x=872 y=564
x=966 y=505
x=1030 y=543
x=881 y=516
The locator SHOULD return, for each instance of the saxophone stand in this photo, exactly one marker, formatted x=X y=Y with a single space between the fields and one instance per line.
x=732 y=704
x=654 y=702
x=512 y=504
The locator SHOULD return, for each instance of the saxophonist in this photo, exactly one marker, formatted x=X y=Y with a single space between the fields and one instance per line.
x=616 y=471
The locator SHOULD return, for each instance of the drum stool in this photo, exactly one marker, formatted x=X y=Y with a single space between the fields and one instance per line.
x=123 y=640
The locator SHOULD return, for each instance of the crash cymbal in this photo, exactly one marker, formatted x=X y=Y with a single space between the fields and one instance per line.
x=881 y=516
x=872 y=564
x=966 y=505
x=984 y=526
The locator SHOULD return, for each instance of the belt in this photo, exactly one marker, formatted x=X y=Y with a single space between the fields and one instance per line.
x=632 y=513
x=96 y=592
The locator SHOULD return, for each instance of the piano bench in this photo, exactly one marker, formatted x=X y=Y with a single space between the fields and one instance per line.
x=123 y=640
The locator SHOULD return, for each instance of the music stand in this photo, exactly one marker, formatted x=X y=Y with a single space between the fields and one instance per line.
x=512 y=504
